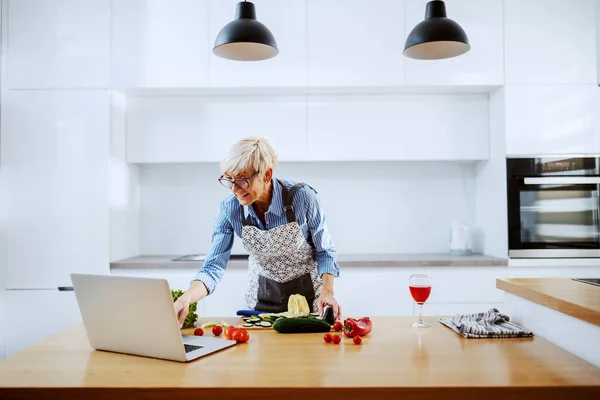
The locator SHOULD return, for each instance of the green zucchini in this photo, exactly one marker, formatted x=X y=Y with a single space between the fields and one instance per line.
x=301 y=325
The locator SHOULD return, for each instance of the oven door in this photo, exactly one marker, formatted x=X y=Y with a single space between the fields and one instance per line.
x=554 y=217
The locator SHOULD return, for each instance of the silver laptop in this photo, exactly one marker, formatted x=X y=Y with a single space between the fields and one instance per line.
x=136 y=316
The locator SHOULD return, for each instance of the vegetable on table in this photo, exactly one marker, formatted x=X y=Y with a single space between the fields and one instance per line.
x=357 y=327
x=336 y=339
x=301 y=325
x=198 y=332
x=217 y=330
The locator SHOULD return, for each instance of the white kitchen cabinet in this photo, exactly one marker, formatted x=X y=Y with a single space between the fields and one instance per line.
x=398 y=127
x=3 y=324
x=549 y=42
x=58 y=44
x=35 y=315
x=199 y=129
x=482 y=65
x=55 y=168
x=287 y=22
x=552 y=119
x=229 y=295
x=355 y=43
x=159 y=43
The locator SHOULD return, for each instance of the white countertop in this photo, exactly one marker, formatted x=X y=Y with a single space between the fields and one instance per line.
x=343 y=260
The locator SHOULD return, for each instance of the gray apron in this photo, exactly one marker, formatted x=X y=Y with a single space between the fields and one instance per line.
x=281 y=263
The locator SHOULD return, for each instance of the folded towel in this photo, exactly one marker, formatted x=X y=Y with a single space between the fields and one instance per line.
x=490 y=324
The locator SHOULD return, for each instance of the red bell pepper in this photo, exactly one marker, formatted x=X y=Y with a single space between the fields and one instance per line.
x=357 y=327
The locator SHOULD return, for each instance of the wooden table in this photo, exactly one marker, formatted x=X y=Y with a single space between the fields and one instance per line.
x=395 y=361
x=577 y=299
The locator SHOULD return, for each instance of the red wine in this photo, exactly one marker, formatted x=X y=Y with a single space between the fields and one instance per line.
x=420 y=293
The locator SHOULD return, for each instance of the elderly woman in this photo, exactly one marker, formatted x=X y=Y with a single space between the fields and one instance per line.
x=283 y=228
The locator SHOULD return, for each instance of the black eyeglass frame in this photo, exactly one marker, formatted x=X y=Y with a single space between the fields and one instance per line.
x=228 y=183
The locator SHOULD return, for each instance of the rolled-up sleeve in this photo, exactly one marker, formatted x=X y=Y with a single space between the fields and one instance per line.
x=321 y=237
x=214 y=266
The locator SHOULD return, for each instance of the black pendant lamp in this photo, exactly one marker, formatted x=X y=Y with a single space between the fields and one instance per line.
x=244 y=38
x=437 y=36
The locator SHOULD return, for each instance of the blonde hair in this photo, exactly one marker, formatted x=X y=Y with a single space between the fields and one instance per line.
x=256 y=152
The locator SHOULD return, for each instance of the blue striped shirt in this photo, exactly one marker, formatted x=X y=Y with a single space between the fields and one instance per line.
x=309 y=215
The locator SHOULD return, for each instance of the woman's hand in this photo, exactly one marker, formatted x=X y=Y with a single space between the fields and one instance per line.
x=326 y=298
x=182 y=308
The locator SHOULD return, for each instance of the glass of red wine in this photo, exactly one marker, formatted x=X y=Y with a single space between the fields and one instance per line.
x=420 y=288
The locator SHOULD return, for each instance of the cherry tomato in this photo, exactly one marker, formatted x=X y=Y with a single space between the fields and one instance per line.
x=336 y=339
x=198 y=332
x=337 y=326
x=357 y=339
x=240 y=335
x=217 y=330
x=327 y=338
x=229 y=331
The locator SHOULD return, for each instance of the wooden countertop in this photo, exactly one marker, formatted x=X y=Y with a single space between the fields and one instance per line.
x=394 y=360
x=577 y=299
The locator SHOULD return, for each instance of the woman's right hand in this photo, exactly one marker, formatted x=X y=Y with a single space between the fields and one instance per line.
x=182 y=307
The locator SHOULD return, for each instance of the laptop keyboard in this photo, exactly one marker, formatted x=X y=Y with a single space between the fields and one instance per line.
x=191 y=347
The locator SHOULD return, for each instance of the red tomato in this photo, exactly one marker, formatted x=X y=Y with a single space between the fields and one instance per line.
x=357 y=339
x=327 y=338
x=229 y=331
x=217 y=330
x=337 y=326
x=240 y=335
x=198 y=332
x=336 y=339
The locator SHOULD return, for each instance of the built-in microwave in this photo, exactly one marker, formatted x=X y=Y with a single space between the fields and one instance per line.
x=553 y=207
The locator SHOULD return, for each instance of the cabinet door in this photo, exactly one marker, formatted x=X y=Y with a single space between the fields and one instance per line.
x=159 y=43
x=35 y=315
x=410 y=127
x=482 y=65
x=58 y=44
x=549 y=42
x=199 y=129
x=3 y=323
x=451 y=309
x=557 y=119
x=229 y=295
x=55 y=157
x=373 y=291
x=287 y=21
x=355 y=43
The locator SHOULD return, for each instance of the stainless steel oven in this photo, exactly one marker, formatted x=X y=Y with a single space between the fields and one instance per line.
x=553 y=207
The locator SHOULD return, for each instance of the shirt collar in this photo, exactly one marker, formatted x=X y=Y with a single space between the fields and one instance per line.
x=276 y=206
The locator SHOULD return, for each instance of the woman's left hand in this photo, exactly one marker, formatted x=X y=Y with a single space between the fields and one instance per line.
x=328 y=299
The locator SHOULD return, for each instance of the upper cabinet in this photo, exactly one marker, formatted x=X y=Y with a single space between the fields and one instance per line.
x=482 y=65
x=199 y=129
x=552 y=119
x=550 y=41
x=287 y=22
x=158 y=43
x=355 y=43
x=58 y=44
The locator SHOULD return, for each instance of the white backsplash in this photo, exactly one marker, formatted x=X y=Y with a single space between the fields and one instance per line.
x=371 y=207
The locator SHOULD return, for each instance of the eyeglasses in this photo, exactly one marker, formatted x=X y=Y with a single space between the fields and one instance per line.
x=242 y=183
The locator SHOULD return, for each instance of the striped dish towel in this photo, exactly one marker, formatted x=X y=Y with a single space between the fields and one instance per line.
x=490 y=324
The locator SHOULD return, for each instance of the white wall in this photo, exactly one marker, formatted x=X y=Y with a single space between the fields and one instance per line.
x=372 y=207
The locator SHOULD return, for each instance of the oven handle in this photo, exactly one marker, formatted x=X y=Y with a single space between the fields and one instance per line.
x=558 y=180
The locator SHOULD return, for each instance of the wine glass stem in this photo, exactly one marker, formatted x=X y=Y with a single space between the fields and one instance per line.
x=421 y=312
